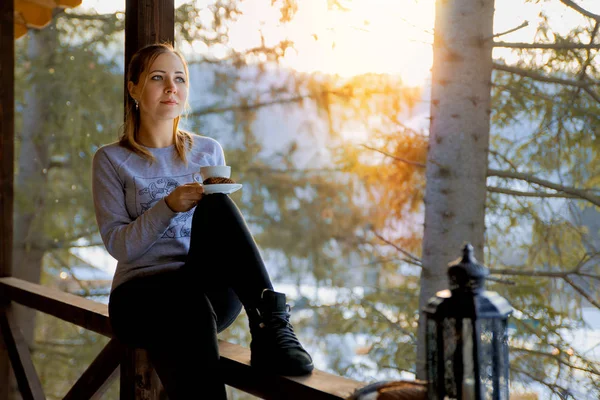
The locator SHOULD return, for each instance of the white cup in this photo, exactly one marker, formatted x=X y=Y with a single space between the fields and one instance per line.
x=215 y=171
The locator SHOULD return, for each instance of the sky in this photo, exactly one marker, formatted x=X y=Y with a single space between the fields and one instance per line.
x=382 y=36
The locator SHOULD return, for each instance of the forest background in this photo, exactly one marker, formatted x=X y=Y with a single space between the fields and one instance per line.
x=330 y=141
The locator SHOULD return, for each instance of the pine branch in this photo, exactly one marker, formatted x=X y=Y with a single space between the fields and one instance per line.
x=531 y=273
x=287 y=171
x=549 y=79
x=551 y=46
x=557 y=358
x=582 y=292
x=552 y=99
x=83 y=287
x=523 y=25
x=494 y=189
x=581 y=193
x=246 y=107
x=581 y=10
x=539 y=77
x=417 y=164
x=92 y=17
x=586 y=275
x=567 y=192
x=548 y=274
x=500 y=280
x=555 y=388
x=503 y=158
x=413 y=259
x=589 y=58
x=393 y=324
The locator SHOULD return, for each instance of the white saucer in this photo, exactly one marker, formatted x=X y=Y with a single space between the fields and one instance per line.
x=225 y=188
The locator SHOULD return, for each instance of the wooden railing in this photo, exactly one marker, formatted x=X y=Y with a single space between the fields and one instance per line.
x=137 y=377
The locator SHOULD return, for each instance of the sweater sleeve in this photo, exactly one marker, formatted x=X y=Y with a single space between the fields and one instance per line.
x=125 y=239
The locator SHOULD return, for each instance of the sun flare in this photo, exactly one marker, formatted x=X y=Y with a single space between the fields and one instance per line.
x=377 y=36
x=367 y=36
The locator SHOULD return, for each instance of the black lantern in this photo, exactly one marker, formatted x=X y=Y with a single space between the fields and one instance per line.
x=467 y=337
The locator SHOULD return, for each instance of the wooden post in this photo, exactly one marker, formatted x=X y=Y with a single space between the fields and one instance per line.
x=7 y=134
x=7 y=153
x=146 y=22
x=139 y=380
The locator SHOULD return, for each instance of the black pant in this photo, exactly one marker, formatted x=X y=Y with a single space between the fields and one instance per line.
x=176 y=315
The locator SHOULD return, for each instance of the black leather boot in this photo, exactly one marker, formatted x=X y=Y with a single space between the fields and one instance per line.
x=274 y=346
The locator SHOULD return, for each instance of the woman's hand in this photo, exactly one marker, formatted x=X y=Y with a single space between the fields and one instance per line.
x=185 y=197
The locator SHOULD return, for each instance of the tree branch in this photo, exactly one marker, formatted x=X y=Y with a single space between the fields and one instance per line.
x=551 y=46
x=556 y=357
x=556 y=389
x=523 y=25
x=581 y=193
x=581 y=10
x=248 y=107
x=582 y=292
x=394 y=324
x=245 y=107
x=549 y=79
x=539 y=77
x=551 y=99
x=500 y=280
x=270 y=170
x=494 y=189
x=516 y=272
x=417 y=164
x=91 y=17
x=413 y=259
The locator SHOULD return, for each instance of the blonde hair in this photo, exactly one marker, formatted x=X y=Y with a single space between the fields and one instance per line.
x=140 y=62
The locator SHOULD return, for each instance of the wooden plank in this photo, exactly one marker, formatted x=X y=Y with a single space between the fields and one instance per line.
x=106 y=385
x=138 y=378
x=7 y=154
x=18 y=351
x=7 y=133
x=317 y=386
x=77 y=310
x=99 y=371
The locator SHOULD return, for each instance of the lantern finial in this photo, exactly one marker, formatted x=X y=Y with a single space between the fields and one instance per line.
x=466 y=274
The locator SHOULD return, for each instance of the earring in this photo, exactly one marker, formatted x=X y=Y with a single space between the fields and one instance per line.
x=137 y=104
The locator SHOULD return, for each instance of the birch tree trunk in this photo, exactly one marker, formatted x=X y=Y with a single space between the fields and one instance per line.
x=458 y=143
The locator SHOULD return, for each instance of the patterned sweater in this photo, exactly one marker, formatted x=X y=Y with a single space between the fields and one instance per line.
x=137 y=227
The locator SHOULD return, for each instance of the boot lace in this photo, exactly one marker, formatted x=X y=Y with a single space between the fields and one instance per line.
x=278 y=323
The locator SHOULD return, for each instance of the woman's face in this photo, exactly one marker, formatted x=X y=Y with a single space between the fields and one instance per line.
x=162 y=90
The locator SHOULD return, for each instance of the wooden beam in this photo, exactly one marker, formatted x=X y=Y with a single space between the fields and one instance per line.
x=107 y=384
x=18 y=351
x=7 y=158
x=86 y=313
x=138 y=377
x=7 y=133
x=147 y=22
x=99 y=371
x=317 y=386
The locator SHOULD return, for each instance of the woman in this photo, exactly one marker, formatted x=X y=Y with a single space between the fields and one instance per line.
x=186 y=262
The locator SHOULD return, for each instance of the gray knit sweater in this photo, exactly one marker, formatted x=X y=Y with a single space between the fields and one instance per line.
x=137 y=227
